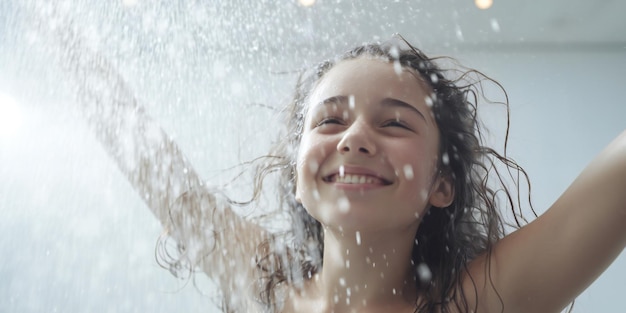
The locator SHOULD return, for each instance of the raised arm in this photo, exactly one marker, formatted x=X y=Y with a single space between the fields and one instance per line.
x=202 y=225
x=543 y=266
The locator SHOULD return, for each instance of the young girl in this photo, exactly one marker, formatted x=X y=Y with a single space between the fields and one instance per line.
x=389 y=193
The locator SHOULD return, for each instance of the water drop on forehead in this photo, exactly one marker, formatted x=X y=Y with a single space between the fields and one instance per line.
x=397 y=67
x=394 y=52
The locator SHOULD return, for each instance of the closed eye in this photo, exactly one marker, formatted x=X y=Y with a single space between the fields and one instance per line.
x=396 y=123
x=330 y=120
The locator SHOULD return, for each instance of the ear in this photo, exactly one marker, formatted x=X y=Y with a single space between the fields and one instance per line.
x=442 y=193
x=296 y=190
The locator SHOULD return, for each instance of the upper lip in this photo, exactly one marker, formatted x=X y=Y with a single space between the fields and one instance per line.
x=357 y=170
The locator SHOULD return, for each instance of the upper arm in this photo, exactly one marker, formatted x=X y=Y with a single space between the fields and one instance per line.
x=216 y=239
x=544 y=265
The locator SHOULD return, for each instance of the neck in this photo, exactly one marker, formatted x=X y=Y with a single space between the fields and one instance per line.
x=362 y=271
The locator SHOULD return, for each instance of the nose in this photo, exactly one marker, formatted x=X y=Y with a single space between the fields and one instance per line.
x=357 y=139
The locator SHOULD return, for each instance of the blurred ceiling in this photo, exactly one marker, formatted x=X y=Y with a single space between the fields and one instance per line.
x=264 y=28
x=508 y=24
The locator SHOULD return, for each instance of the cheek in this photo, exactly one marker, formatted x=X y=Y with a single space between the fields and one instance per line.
x=415 y=164
x=310 y=155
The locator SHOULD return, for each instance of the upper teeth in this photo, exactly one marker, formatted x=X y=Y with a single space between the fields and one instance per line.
x=356 y=179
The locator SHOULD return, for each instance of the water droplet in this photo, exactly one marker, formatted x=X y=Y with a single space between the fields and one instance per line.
x=358 y=238
x=424 y=194
x=459 y=33
x=342 y=171
x=429 y=101
x=129 y=3
x=495 y=26
x=445 y=159
x=351 y=102
x=344 y=205
x=433 y=78
x=394 y=52
x=408 y=171
x=313 y=166
x=342 y=281
x=397 y=67
x=424 y=273
x=316 y=194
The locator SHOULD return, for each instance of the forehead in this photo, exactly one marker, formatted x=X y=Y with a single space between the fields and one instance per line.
x=369 y=77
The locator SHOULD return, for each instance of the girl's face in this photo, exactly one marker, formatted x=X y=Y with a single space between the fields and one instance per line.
x=369 y=149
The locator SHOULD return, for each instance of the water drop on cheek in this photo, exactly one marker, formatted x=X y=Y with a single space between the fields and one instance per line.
x=351 y=102
x=408 y=172
x=316 y=195
x=423 y=195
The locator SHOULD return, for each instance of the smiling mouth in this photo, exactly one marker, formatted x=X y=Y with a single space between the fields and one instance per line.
x=356 y=179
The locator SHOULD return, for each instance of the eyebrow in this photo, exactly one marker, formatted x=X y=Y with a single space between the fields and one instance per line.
x=387 y=102
x=391 y=102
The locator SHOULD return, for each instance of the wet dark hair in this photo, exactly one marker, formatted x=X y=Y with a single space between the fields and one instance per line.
x=447 y=238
